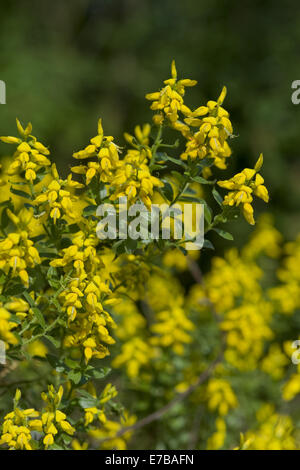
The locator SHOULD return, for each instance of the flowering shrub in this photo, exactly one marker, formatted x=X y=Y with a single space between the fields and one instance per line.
x=85 y=320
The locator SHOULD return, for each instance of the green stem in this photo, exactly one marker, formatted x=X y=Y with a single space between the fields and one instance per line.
x=155 y=146
x=181 y=192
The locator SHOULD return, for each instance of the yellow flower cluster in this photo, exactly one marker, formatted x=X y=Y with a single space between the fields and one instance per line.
x=232 y=286
x=84 y=296
x=17 y=428
x=168 y=102
x=134 y=354
x=63 y=290
x=57 y=200
x=214 y=129
x=98 y=412
x=6 y=327
x=231 y=278
x=140 y=139
x=266 y=240
x=108 y=433
x=17 y=253
x=171 y=327
x=274 y=431
x=129 y=176
x=133 y=179
x=292 y=387
x=30 y=155
x=19 y=424
x=52 y=419
x=242 y=186
x=106 y=152
x=133 y=273
x=275 y=362
x=220 y=396
x=216 y=441
x=212 y=121
x=286 y=296
x=247 y=329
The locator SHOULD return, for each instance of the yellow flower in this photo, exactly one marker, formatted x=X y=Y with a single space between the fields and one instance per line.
x=37 y=348
x=77 y=446
x=242 y=186
x=48 y=440
x=17 y=253
x=107 y=153
x=214 y=129
x=66 y=427
x=168 y=102
x=57 y=199
x=134 y=180
x=216 y=441
x=30 y=155
x=141 y=135
x=220 y=396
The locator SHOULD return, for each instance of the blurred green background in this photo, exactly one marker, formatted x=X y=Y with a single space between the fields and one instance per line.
x=67 y=63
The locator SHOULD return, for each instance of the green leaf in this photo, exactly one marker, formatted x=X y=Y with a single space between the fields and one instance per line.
x=201 y=180
x=189 y=199
x=39 y=316
x=53 y=360
x=101 y=373
x=5 y=203
x=52 y=272
x=29 y=299
x=20 y=193
x=75 y=376
x=54 y=341
x=87 y=400
x=38 y=238
x=56 y=447
x=54 y=283
x=4 y=219
x=62 y=322
x=15 y=319
x=56 y=303
x=2 y=277
x=158 y=167
x=223 y=233
x=217 y=197
x=168 y=190
x=207 y=211
x=66 y=438
x=208 y=245
x=16 y=289
x=175 y=160
x=73 y=228
x=47 y=254
x=181 y=178
x=89 y=210
x=70 y=363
